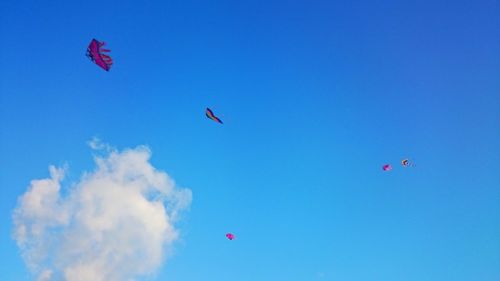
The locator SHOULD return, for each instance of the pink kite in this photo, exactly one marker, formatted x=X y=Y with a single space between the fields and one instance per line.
x=95 y=53
x=387 y=167
x=230 y=236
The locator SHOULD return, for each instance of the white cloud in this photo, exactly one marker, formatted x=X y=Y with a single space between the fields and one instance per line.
x=45 y=275
x=96 y=144
x=115 y=224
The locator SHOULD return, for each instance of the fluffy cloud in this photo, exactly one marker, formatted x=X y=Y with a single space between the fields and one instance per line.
x=115 y=224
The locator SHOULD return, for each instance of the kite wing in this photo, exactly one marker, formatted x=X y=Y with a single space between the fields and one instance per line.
x=95 y=53
x=209 y=113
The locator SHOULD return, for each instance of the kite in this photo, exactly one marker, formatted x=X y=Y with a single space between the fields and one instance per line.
x=211 y=115
x=230 y=236
x=407 y=163
x=95 y=53
x=387 y=167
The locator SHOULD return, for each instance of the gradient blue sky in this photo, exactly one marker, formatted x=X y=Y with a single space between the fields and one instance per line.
x=315 y=96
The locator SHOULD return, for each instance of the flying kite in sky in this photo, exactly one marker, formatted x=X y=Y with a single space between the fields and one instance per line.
x=407 y=163
x=387 y=167
x=95 y=53
x=211 y=115
x=230 y=236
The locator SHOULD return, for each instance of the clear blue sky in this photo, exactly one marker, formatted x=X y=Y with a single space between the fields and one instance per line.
x=315 y=97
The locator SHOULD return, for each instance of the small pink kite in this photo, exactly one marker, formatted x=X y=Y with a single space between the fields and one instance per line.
x=387 y=167
x=96 y=53
x=230 y=236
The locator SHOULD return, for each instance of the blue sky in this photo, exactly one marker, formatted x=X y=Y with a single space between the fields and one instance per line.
x=315 y=97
